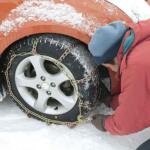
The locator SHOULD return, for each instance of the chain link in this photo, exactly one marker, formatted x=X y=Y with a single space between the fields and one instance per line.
x=34 y=48
x=66 y=53
x=87 y=78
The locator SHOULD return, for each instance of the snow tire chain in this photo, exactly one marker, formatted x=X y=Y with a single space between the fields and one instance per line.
x=80 y=118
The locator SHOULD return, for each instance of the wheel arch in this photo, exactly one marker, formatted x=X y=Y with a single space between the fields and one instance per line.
x=32 y=28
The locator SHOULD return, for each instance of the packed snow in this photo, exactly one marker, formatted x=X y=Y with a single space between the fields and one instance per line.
x=18 y=132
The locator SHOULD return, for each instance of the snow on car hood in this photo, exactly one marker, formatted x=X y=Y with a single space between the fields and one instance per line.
x=44 y=11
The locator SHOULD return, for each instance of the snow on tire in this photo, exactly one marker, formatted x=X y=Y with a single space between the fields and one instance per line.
x=51 y=78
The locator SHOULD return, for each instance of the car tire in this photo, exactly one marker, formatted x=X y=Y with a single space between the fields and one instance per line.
x=55 y=55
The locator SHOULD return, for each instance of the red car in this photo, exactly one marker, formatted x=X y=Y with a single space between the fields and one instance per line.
x=47 y=68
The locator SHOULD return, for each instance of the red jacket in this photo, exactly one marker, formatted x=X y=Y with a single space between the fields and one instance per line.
x=132 y=105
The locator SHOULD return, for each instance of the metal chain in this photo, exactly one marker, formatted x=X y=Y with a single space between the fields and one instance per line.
x=82 y=104
x=87 y=78
x=30 y=112
x=66 y=53
x=34 y=48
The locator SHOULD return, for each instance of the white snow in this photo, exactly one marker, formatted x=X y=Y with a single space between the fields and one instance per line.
x=136 y=9
x=17 y=132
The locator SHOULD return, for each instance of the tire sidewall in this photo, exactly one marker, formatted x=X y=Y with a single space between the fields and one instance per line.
x=50 y=50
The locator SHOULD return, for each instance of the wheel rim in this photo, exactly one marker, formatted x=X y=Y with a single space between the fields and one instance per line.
x=46 y=85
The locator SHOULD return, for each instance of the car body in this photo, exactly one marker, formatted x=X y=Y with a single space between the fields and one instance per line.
x=91 y=14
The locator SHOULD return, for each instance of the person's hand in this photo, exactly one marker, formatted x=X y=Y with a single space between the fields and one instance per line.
x=98 y=121
x=107 y=100
x=112 y=66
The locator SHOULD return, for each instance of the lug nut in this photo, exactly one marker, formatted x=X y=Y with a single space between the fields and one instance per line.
x=53 y=84
x=48 y=92
x=43 y=78
x=38 y=86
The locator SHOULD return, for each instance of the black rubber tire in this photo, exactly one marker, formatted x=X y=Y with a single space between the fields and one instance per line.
x=81 y=64
x=144 y=146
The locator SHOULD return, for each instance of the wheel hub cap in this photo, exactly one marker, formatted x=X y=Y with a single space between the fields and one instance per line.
x=45 y=86
x=41 y=90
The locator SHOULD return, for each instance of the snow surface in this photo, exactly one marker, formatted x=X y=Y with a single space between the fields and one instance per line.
x=136 y=9
x=18 y=132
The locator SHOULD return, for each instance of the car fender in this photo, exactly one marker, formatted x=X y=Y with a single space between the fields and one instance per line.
x=78 y=19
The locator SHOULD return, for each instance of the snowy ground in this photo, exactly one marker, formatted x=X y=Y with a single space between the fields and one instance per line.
x=136 y=9
x=18 y=132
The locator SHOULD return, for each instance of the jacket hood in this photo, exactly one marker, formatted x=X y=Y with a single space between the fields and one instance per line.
x=141 y=31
